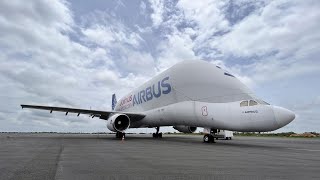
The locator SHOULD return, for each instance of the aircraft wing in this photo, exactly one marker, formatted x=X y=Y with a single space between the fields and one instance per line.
x=94 y=113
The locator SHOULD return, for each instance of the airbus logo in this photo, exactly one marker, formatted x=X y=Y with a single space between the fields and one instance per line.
x=153 y=91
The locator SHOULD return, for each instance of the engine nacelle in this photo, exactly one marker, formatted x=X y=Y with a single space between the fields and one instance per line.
x=118 y=122
x=185 y=129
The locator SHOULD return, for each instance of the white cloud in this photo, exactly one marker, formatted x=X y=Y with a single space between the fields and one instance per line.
x=285 y=45
x=41 y=64
x=108 y=35
x=278 y=28
x=50 y=57
x=208 y=16
x=143 y=8
x=274 y=38
x=107 y=77
x=158 y=9
x=277 y=70
x=178 y=47
x=123 y=44
x=57 y=15
x=100 y=35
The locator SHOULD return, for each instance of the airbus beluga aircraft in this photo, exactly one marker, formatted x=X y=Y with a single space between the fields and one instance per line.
x=188 y=95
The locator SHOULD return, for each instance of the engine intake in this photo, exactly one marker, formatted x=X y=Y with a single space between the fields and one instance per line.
x=118 y=122
x=185 y=129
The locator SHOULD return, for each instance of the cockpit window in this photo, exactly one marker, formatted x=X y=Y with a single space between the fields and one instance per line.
x=252 y=103
x=244 y=103
x=262 y=102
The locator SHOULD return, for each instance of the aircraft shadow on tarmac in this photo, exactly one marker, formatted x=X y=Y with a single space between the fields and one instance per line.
x=198 y=141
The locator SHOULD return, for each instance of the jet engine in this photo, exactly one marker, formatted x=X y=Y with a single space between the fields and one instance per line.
x=185 y=129
x=118 y=122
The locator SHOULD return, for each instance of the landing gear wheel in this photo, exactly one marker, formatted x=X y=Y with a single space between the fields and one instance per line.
x=208 y=138
x=119 y=135
x=157 y=134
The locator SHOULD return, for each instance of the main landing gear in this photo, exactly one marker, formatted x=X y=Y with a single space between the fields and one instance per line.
x=120 y=135
x=157 y=134
x=209 y=137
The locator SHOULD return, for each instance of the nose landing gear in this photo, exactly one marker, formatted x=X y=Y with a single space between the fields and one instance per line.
x=209 y=136
x=157 y=134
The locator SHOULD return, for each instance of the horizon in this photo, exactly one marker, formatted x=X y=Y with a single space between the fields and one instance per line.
x=77 y=53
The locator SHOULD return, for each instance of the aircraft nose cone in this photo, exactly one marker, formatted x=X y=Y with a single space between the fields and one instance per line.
x=283 y=116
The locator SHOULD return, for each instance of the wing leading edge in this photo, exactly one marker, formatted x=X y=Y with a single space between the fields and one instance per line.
x=94 y=113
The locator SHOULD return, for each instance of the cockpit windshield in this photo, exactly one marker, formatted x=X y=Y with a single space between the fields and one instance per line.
x=253 y=102
x=262 y=102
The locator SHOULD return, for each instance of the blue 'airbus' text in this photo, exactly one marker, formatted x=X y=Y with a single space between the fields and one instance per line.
x=153 y=91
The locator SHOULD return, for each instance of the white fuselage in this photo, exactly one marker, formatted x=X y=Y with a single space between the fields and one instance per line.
x=200 y=94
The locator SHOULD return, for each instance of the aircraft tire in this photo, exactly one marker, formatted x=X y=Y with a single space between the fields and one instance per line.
x=155 y=135
x=119 y=135
x=206 y=138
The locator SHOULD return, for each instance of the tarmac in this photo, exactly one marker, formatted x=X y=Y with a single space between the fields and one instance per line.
x=87 y=156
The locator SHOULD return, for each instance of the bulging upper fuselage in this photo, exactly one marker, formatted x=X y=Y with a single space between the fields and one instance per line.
x=200 y=94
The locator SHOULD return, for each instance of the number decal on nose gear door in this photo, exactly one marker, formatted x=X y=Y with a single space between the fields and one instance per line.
x=204 y=111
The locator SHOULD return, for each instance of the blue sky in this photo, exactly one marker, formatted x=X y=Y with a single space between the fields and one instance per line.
x=77 y=53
